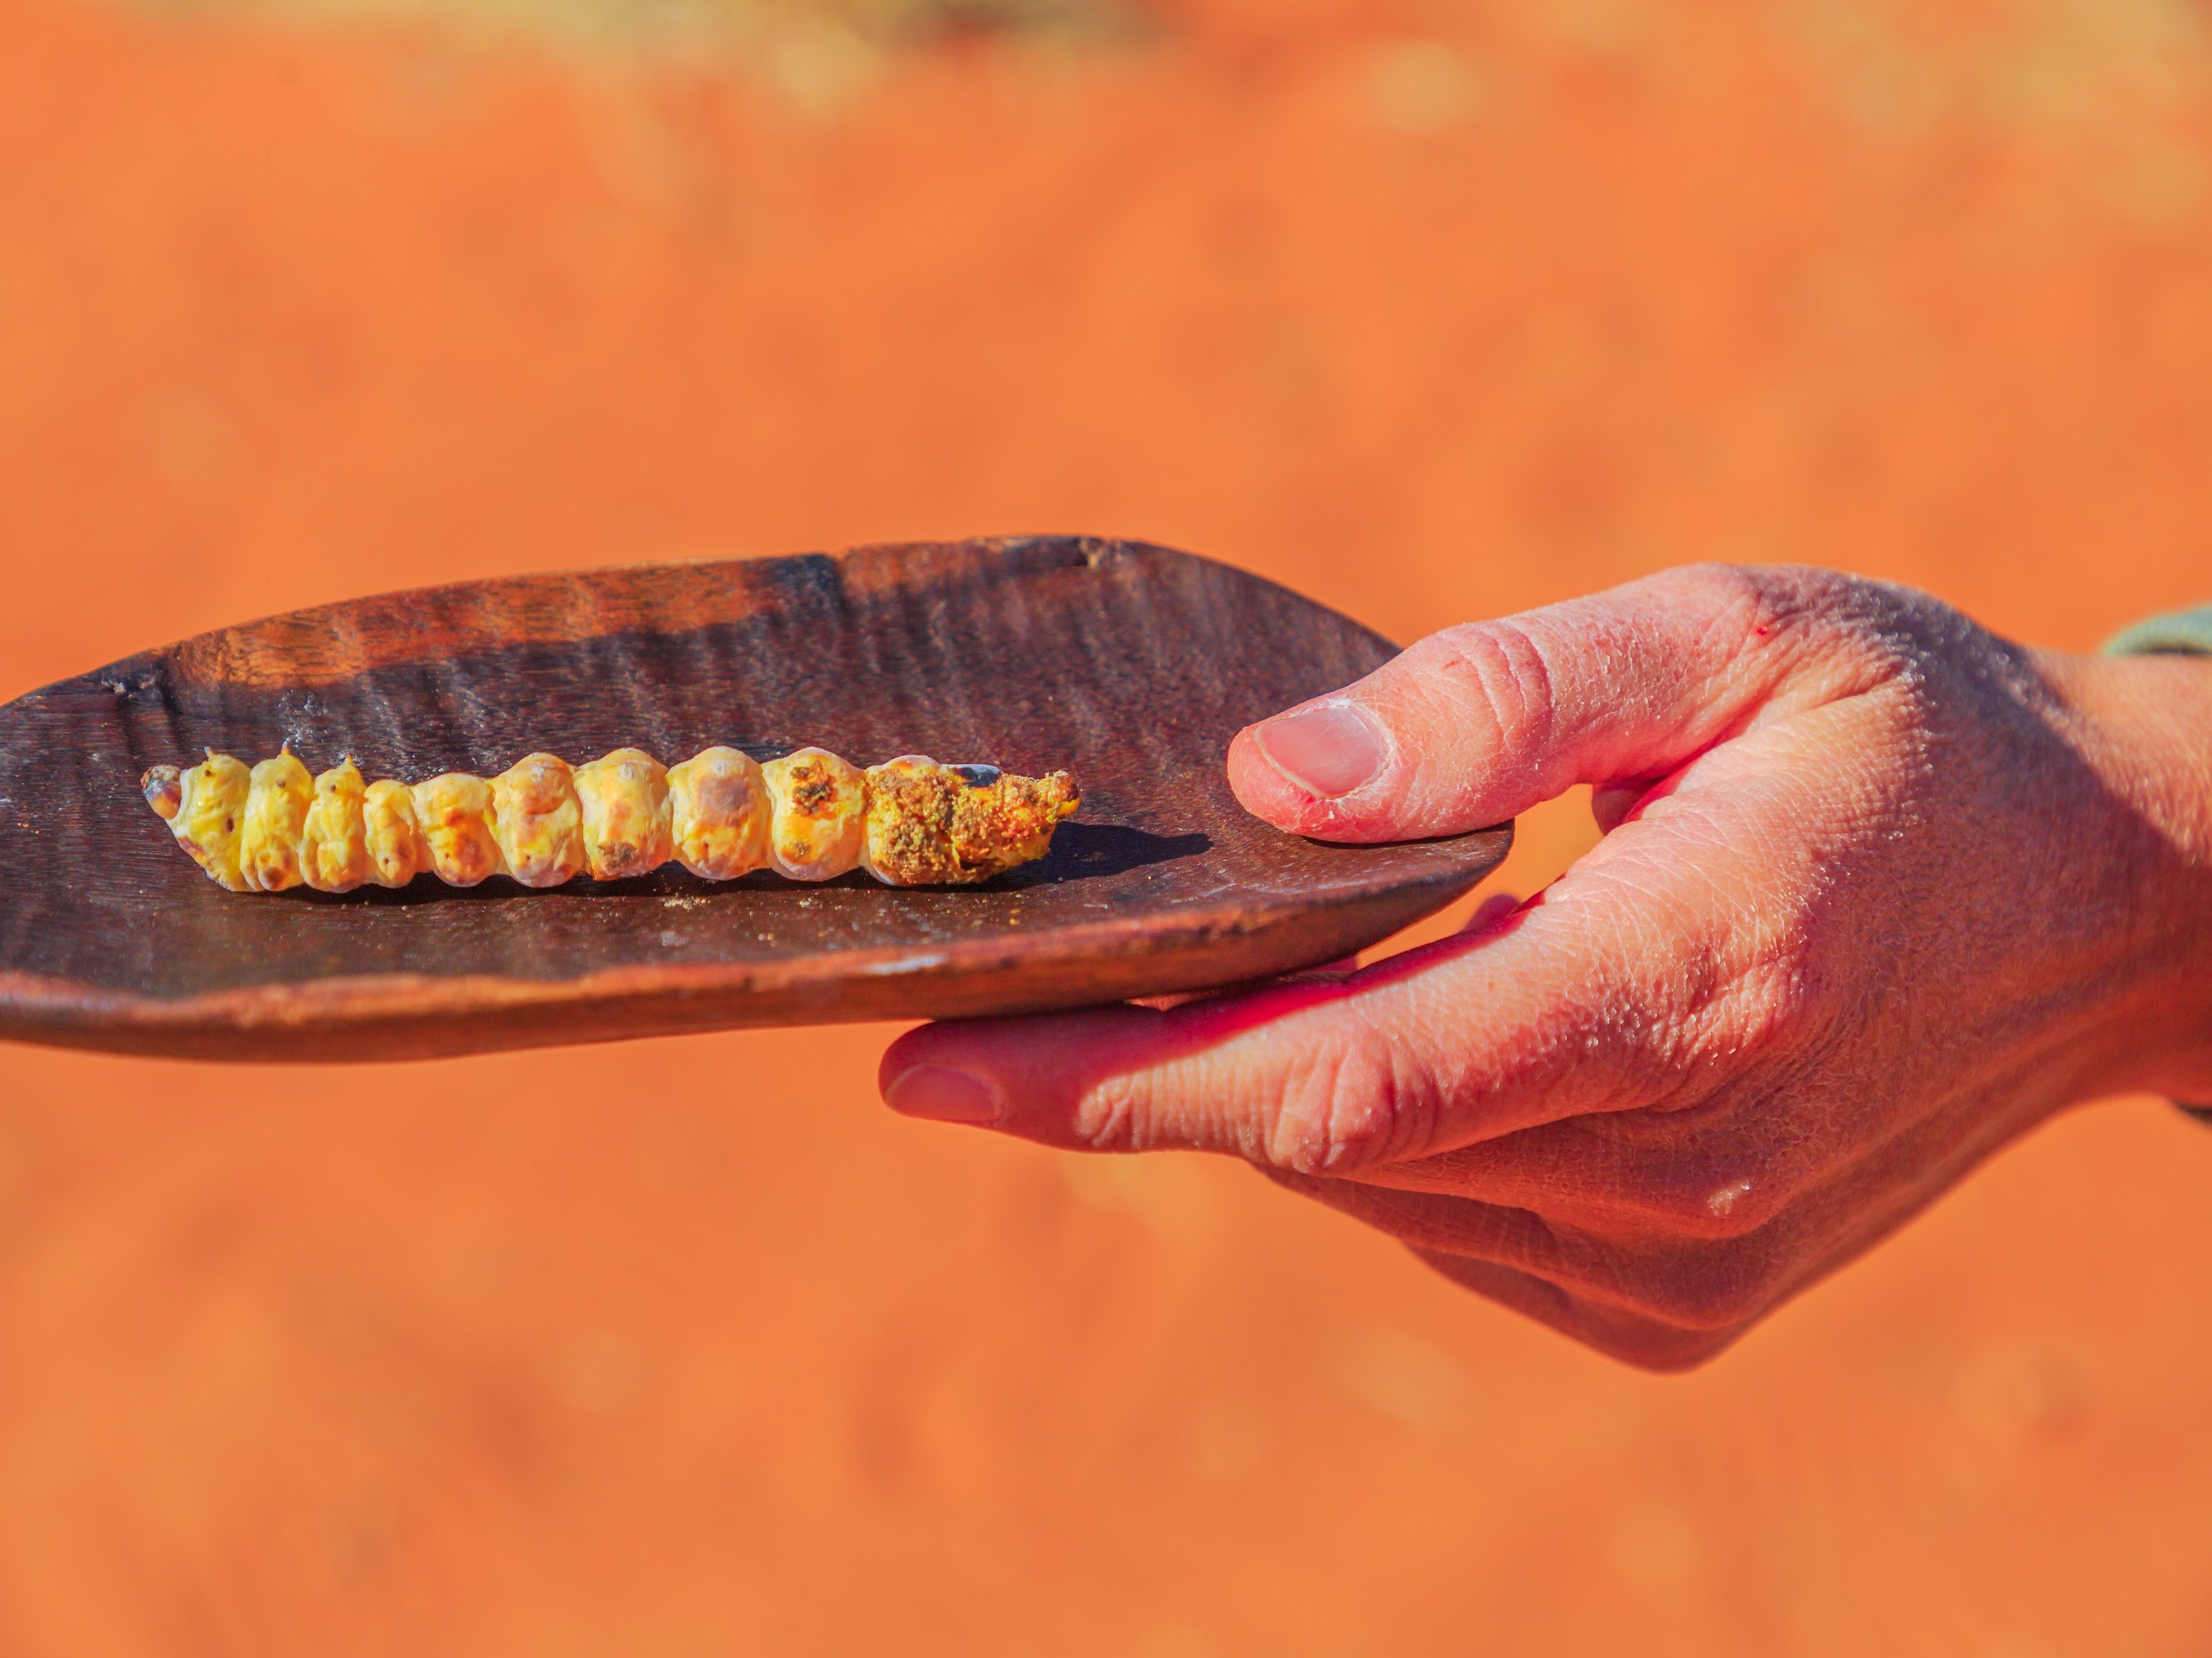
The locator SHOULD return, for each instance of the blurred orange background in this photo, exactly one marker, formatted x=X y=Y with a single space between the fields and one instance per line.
x=1431 y=311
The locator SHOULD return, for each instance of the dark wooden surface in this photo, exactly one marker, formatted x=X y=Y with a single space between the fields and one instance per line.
x=1130 y=666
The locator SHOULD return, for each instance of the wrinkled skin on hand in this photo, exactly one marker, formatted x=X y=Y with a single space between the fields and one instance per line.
x=1878 y=891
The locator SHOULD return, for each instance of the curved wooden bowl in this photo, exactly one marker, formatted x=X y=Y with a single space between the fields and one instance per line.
x=1130 y=666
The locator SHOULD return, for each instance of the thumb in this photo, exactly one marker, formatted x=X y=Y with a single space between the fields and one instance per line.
x=1479 y=723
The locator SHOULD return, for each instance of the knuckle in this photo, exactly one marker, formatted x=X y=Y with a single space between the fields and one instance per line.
x=1110 y=1117
x=1807 y=611
x=1761 y=602
x=1697 y=1202
x=1714 y=1172
x=1722 y=1210
x=1772 y=1008
x=1492 y=671
x=1746 y=1003
x=1728 y=586
x=1868 y=631
x=1347 y=1107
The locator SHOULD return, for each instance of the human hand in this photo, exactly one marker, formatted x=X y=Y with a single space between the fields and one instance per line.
x=1878 y=892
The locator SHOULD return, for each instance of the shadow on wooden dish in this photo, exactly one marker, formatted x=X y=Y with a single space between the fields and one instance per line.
x=1130 y=666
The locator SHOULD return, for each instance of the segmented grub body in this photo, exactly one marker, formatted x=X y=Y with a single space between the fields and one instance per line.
x=809 y=816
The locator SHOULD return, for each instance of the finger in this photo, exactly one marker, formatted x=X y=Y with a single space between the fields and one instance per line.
x=1479 y=723
x=1591 y=1269
x=1612 y=1287
x=1731 y=1168
x=1524 y=1263
x=1476 y=1035
x=1648 y=1343
x=1684 y=1175
x=1451 y=1225
x=1673 y=1270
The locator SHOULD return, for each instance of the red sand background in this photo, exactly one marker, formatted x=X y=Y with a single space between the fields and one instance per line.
x=623 y=1350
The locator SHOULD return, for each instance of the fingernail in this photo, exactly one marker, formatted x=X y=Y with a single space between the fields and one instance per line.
x=942 y=1095
x=1327 y=751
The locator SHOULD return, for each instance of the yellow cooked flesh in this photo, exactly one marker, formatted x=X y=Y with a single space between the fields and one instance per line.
x=212 y=816
x=817 y=816
x=538 y=821
x=396 y=855
x=334 y=841
x=624 y=799
x=454 y=813
x=718 y=814
x=810 y=815
x=276 y=815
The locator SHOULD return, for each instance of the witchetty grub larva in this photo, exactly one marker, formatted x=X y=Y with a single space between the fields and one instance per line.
x=809 y=816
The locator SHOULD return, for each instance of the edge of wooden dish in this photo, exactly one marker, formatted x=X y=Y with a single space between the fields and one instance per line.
x=412 y=1017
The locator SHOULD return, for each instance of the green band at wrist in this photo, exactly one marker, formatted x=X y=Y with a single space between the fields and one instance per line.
x=2186 y=632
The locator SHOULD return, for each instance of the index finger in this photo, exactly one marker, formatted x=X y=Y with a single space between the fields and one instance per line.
x=1477 y=1036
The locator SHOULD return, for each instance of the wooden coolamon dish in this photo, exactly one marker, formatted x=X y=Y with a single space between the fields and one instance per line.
x=1130 y=666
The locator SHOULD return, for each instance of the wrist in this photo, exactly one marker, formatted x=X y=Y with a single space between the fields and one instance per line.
x=2144 y=726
